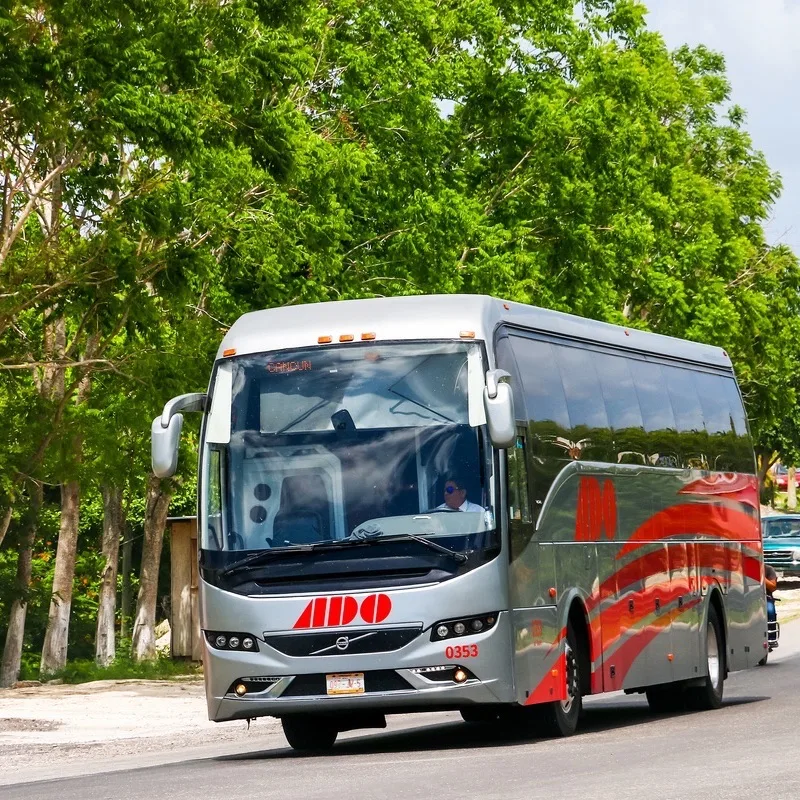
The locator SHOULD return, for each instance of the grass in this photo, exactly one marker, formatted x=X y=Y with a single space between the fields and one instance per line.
x=122 y=668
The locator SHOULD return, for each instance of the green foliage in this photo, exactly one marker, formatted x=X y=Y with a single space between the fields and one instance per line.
x=223 y=157
x=122 y=668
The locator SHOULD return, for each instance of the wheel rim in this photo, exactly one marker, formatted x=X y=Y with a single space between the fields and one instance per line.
x=712 y=649
x=572 y=679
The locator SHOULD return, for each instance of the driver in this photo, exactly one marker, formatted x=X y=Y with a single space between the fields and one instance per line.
x=455 y=497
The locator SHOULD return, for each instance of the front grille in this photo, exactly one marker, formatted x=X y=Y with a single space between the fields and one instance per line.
x=343 y=642
x=378 y=680
x=778 y=557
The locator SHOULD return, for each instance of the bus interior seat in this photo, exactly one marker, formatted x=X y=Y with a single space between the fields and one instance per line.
x=297 y=527
x=303 y=514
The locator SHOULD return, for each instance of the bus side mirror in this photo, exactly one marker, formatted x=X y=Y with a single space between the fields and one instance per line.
x=498 y=403
x=165 y=432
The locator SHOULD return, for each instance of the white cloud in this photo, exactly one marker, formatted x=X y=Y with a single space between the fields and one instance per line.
x=760 y=40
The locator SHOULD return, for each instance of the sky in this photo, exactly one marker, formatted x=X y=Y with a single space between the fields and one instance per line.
x=760 y=40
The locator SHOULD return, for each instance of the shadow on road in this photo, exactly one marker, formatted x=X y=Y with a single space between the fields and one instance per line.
x=457 y=735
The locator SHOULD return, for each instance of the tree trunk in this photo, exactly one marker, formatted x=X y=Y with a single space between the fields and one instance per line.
x=105 y=643
x=791 y=488
x=5 y=522
x=127 y=559
x=54 y=651
x=155 y=520
x=12 y=651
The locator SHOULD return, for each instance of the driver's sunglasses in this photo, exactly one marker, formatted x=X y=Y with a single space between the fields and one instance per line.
x=451 y=489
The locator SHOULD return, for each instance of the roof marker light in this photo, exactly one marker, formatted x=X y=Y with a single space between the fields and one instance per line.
x=324 y=339
x=231 y=351
x=346 y=337
x=506 y=306
x=367 y=337
x=467 y=334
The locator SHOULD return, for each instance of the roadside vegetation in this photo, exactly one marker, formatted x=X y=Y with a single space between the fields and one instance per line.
x=166 y=167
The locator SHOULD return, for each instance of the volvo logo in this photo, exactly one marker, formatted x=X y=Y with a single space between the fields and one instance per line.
x=341 y=643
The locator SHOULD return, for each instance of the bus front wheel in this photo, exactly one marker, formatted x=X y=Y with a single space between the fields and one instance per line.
x=561 y=718
x=308 y=733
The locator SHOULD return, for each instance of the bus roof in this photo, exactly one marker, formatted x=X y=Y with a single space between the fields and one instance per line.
x=440 y=317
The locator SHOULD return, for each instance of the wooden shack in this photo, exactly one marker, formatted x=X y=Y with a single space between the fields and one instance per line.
x=185 y=622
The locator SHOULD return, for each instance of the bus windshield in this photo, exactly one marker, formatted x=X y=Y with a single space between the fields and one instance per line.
x=347 y=443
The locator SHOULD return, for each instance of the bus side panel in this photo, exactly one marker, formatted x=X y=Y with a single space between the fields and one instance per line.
x=686 y=620
x=538 y=655
x=745 y=608
x=622 y=660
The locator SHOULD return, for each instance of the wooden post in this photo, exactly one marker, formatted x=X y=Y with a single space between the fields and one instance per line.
x=185 y=622
x=197 y=647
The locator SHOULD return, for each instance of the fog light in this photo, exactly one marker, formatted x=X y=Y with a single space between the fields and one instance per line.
x=476 y=625
x=240 y=689
x=459 y=676
x=442 y=631
x=247 y=643
x=459 y=628
x=220 y=641
x=233 y=641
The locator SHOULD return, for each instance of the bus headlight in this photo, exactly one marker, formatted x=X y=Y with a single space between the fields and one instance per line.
x=450 y=628
x=222 y=640
x=795 y=555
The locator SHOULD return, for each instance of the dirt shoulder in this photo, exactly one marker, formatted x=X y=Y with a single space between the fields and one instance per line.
x=44 y=726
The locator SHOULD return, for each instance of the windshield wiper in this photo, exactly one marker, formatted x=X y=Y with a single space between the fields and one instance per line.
x=263 y=556
x=372 y=535
x=367 y=537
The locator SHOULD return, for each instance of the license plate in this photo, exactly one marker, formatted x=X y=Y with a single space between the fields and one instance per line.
x=345 y=683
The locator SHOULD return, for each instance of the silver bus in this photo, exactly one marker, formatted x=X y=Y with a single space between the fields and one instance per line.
x=461 y=503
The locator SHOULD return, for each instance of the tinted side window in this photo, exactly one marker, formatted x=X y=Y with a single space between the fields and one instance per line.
x=745 y=460
x=684 y=398
x=504 y=358
x=657 y=415
x=714 y=392
x=547 y=412
x=544 y=392
x=589 y=428
x=628 y=445
x=692 y=436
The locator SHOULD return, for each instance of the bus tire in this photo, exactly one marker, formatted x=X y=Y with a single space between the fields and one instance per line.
x=308 y=733
x=708 y=695
x=561 y=718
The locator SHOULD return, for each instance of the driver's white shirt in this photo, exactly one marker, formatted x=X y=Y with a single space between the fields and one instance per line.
x=465 y=506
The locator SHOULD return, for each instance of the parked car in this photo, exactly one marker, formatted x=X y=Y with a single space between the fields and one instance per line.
x=781 y=534
x=780 y=475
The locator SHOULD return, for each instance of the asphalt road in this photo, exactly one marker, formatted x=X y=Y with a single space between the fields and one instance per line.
x=749 y=748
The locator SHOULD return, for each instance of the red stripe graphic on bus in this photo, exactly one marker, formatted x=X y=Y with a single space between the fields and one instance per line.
x=713 y=520
x=727 y=486
x=597 y=510
x=331 y=612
